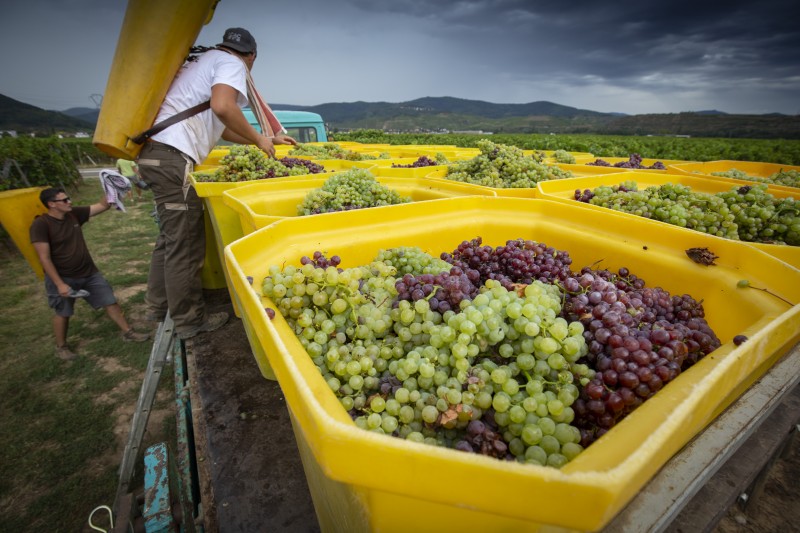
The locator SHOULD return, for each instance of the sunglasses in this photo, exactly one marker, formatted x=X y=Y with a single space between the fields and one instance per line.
x=65 y=200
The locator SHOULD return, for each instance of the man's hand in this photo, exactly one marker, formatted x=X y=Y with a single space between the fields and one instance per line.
x=63 y=289
x=265 y=144
x=284 y=139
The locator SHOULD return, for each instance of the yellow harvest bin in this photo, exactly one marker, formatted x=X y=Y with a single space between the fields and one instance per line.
x=18 y=208
x=440 y=173
x=362 y=481
x=154 y=41
x=213 y=273
x=265 y=202
x=564 y=190
x=645 y=161
x=751 y=168
x=214 y=156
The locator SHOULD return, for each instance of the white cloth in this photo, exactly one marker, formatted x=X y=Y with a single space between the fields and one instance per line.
x=115 y=186
x=197 y=135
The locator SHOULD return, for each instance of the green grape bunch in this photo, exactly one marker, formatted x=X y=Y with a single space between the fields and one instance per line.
x=353 y=189
x=333 y=151
x=502 y=166
x=786 y=178
x=747 y=213
x=247 y=163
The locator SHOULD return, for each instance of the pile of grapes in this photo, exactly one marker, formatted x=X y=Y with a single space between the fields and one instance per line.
x=743 y=213
x=562 y=156
x=502 y=166
x=425 y=161
x=354 y=189
x=634 y=161
x=332 y=151
x=787 y=178
x=246 y=162
x=499 y=351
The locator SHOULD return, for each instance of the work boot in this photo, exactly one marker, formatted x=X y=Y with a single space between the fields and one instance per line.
x=135 y=336
x=64 y=353
x=213 y=322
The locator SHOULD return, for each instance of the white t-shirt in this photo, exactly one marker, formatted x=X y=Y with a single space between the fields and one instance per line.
x=197 y=135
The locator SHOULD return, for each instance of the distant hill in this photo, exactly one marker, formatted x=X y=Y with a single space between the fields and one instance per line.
x=88 y=114
x=435 y=114
x=454 y=114
x=24 y=118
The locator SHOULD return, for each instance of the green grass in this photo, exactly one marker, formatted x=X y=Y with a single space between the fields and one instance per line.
x=65 y=424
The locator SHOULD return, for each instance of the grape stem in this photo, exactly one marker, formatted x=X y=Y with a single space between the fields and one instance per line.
x=773 y=294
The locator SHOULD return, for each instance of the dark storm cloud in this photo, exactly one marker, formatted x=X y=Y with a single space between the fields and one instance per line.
x=633 y=57
x=678 y=44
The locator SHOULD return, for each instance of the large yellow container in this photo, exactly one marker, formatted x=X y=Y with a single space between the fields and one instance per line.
x=214 y=156
x=154 y=41
x=751 y=168
x=564 y=190
x=645 y=161
x=263 y=203
x=362 y=481
x=213 y=273
x=223 y=227
x=18 y=208
x=440 y=173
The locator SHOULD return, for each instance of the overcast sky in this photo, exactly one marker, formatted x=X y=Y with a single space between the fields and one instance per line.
x=629 y=56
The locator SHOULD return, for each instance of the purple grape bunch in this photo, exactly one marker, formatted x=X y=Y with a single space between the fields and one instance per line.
x=320 y=261
x=518 y=261
x=291 y=162
x=634 y=161
x=639 y=339
x=444 y=291
x=422 y=161
x=484 y=437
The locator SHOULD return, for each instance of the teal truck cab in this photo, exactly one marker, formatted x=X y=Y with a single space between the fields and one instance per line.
x=304 y=126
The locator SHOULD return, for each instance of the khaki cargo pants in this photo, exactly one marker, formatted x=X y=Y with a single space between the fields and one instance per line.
x=175 y=281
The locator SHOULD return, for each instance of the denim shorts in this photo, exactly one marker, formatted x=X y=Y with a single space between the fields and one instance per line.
x=100 y=293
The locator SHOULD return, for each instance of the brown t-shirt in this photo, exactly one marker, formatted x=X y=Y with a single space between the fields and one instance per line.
x=68 y=249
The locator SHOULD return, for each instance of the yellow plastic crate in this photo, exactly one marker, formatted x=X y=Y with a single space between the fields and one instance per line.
x=224 y=221
x=645 y=161
x=440 y=173
x=263 y=203
x=214 y=156
x=564 y=190
x=362 y=481
x=761 y=170
x=18 y=208
x=579 y=159
x=225 y=228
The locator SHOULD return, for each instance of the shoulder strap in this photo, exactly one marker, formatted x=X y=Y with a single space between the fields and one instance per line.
x=186 y=113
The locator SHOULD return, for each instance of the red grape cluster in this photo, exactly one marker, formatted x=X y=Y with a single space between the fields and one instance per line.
x=423 y=161
x=634 y=161
x=291 y=162
x=484 y=437
x=639 y=339
x=320 y=261
x=586 y=195
x=519 y=261
x=448 y=288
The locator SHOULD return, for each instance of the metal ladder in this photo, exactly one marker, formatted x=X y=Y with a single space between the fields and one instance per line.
x=159 y=357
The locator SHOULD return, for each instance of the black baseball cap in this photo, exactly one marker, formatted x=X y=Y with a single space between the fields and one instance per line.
x=239 y=39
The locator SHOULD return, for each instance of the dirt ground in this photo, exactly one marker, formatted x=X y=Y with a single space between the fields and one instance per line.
x=775 y=508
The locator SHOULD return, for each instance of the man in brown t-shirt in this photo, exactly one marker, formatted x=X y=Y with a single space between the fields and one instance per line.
x=69 y=269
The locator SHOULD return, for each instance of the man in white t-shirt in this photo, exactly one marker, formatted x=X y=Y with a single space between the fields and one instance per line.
x=167 y=159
